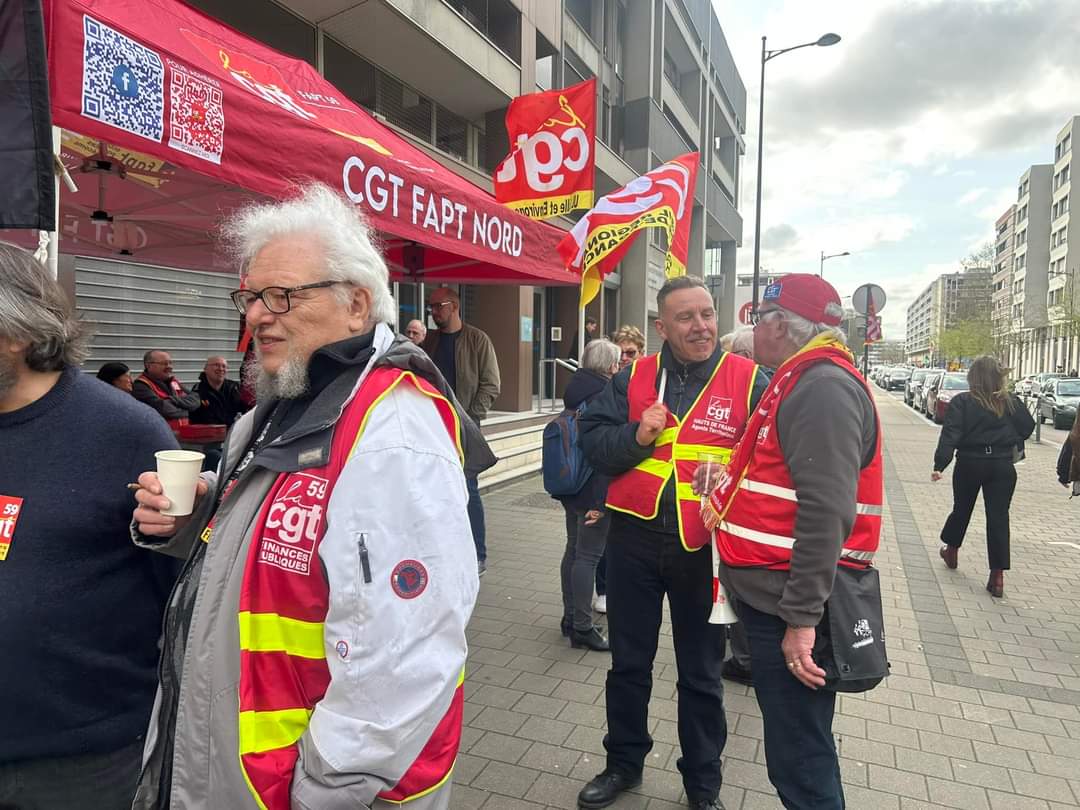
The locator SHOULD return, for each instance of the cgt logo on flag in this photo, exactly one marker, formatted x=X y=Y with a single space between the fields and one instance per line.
x=550 y=168
x=662 y=198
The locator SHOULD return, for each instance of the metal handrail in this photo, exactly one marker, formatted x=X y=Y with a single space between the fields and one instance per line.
x=570 y=365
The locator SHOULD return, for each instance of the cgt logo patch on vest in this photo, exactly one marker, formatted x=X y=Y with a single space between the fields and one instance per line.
x=294 y=524
x=717 y=418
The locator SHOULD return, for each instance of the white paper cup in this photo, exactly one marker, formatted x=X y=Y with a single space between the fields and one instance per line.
x=178 y=472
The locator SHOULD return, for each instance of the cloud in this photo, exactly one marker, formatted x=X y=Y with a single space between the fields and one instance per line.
x=778 y=237
x=971 y=196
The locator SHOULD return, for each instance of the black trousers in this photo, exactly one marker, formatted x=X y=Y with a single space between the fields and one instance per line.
x=996 y=478
x=642 y=568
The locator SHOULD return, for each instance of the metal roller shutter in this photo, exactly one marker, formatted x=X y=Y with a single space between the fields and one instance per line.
x=132 y=308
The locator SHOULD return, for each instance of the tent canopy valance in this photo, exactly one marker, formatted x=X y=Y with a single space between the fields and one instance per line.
x=172 y=119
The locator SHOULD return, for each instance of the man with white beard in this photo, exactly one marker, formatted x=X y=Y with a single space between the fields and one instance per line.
x=318 y=628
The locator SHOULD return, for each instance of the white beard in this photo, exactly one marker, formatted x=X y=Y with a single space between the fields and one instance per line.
x=290 y=382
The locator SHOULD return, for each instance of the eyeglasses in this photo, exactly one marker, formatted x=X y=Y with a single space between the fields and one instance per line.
x=437 y=305
x=761 y=314
x=275 y=299
x=631 y=353
x=160 y=363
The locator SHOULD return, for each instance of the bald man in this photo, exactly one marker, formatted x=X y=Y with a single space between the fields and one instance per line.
x=416 y=331
x=219 y=397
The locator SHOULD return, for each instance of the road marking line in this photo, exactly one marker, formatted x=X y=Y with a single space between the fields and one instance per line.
x=1063 y=543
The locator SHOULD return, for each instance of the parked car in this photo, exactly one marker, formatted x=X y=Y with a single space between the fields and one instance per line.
x=1026 y=386
x=939 y=397
x=897 y=378
x=914 y=383
x=1060 y=398
x=1042 y=379
x=931 y=380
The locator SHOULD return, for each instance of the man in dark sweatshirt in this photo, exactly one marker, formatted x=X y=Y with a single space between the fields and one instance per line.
x=220 y=398
x=80 y=606
x=801 y=495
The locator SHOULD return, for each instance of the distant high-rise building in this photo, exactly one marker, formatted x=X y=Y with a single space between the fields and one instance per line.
x=946 y=301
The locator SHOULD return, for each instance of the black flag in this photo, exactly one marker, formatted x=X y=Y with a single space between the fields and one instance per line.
x=26 y=157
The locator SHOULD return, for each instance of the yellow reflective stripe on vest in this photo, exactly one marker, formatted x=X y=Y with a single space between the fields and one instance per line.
x=787 y=494
x=269 y=632
x=693 y=452
x=267 y=731
x=685 y=492
x=652 y=466
x=667 y=436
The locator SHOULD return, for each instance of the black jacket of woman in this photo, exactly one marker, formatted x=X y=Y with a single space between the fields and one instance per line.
x=973 y=431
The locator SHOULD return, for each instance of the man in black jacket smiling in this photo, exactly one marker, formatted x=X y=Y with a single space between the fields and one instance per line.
x=647 y=430
x=219 y=397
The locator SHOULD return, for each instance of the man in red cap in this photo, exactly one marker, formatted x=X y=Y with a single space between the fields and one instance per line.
x=801 y=495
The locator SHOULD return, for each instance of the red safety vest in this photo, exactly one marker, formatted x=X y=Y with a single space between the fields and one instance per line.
x=284 y=599
x=161 y=393
x=756 y=500
x=713 y=424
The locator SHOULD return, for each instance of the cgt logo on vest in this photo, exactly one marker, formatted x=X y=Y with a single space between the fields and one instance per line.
x=294 y=523
x=717 y=416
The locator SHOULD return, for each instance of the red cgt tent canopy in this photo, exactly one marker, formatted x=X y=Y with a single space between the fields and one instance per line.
x=172 y=119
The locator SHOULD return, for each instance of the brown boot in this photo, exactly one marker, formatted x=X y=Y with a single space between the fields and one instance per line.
x=996 y=583
x=948 y=554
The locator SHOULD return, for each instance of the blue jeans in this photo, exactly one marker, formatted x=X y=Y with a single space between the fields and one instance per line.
x=800 y=753
x=476 y=517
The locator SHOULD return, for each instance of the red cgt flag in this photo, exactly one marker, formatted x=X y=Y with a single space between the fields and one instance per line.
x=550 y=170
x=662 y=198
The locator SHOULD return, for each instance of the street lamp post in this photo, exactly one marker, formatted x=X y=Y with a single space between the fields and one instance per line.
x=823 y=41
x=821 y=269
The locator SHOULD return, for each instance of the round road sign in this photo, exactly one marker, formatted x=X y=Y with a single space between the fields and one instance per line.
x=864 y=295
x=744 y=313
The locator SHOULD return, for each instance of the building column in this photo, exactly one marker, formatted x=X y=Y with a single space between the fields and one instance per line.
x=498 y=311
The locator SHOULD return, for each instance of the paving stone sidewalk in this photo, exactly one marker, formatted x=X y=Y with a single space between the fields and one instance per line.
x=982 y=709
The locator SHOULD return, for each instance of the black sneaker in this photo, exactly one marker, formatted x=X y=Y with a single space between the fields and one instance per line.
x=734 y=671
x=591 y=639
x=707 y=804
x=481 y=567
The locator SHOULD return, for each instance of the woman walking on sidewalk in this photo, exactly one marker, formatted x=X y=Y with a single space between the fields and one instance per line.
x=986 y=428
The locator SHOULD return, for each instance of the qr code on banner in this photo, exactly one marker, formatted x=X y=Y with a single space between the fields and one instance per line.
x=196 y=116
x=123 y=82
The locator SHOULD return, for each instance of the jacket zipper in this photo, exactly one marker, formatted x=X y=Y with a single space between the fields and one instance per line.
x=365 y=565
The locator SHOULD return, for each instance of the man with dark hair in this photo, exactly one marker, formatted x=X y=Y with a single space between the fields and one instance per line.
x=80 y=606
x=158 y=388
x=466 y=358
x=648 y=430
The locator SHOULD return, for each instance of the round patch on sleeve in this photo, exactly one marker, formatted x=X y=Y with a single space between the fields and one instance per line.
x=342 y=648
x=409 y=579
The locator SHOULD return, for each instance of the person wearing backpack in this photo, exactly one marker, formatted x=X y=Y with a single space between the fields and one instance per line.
x=586 y=518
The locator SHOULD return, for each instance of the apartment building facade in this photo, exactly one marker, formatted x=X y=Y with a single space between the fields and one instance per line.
x=442 y=73
x=949 y=299
x=1001 y=284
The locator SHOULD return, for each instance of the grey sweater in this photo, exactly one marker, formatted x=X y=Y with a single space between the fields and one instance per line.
x=827 y=429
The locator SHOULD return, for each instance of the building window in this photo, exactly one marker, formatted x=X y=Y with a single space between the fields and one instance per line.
x=265 y=21
x=498 y=20
x=576 y=69
x=547 y=63
x=581 y=11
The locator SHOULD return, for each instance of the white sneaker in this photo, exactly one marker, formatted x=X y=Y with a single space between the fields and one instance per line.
x=599 y=604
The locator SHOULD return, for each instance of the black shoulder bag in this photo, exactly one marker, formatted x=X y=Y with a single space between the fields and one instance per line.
x=850 y=642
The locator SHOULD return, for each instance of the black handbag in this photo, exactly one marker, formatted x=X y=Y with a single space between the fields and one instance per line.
x=850 y=640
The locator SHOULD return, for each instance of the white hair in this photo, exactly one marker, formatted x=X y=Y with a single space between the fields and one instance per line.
x=350 y=251
x=802 y=330
x=601 y=356
x=742 y=340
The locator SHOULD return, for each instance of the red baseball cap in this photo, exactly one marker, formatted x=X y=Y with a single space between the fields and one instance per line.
x=807 y=295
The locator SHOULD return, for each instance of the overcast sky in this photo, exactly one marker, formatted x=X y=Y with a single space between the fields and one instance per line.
x=903 y=142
